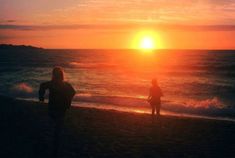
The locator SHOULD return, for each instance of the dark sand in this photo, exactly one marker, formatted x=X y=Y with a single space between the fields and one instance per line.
x=27 y=131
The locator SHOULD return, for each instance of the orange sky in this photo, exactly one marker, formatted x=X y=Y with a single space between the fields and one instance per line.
x=188 y=24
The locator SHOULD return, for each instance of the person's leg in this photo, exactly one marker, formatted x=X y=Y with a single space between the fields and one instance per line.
x=153 y=110
x=158 y=110
x=59 y=120
x=158 y=107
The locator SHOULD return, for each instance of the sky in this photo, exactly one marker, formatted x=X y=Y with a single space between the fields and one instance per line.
x=176 y=24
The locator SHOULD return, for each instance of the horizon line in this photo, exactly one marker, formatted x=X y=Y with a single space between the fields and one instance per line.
x=137 y=49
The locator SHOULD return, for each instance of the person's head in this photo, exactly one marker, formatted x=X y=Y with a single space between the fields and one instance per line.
x=58 y=74
x=154 y=82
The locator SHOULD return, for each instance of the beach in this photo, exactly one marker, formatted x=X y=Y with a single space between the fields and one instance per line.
x=27 y=131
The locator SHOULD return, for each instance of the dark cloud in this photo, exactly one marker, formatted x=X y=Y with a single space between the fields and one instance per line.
x=3 y=37
x=8 y=21
x=121 y=27
x=54 y=27
x=199 y=27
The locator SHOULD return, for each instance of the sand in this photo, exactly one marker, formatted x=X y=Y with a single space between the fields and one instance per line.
x=27 y=131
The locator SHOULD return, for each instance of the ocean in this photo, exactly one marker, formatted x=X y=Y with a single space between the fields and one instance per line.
x=194 y=82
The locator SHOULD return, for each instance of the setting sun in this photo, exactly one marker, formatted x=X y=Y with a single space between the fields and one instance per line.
x=147 y=43
x=147 y=40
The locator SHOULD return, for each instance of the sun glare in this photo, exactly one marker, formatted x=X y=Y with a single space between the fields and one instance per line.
x=147 y=43
x=147 y=40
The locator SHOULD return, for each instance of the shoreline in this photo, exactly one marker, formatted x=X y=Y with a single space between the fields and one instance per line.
x=141 y=110
x=165 y=113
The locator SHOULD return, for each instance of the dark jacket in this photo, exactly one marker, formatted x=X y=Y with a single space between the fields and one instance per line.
x=60 y=94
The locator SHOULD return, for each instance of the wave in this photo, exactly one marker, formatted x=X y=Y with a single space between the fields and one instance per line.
x=208 y=107
x=92 y=65
x=207 y=103
x=22 y=88
x=213 y=106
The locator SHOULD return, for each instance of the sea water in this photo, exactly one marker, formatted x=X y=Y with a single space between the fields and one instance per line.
x=199 y=82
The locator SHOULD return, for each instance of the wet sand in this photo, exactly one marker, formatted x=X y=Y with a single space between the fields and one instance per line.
x=27 y=131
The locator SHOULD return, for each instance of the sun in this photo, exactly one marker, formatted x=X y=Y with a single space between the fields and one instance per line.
x=147 y=43
x=147 y=40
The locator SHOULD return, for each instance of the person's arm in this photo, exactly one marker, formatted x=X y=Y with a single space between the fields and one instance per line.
x=161 y=94
x=70 y=92
x=150 y=94
x=42 y=90
x=73 y=92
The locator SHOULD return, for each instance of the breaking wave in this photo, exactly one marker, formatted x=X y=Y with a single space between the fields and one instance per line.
x=22 y=88
x=208 y=107
x=92 y=65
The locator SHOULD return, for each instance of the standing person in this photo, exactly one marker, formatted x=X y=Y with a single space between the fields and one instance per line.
x=60 y=98
x=154 y=98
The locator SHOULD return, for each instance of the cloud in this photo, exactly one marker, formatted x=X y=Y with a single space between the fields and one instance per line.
x=8 y=21
x=162 y=11
x=122 y=27
x=92 y=11
x=3 y=37
x=11 y=21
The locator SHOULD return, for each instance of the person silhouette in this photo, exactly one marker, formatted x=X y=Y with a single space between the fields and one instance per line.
x=61 y=94
x=154 y=98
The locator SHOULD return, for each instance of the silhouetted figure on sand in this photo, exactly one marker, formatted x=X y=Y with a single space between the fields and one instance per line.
x=60 y=98
x=154 y=98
